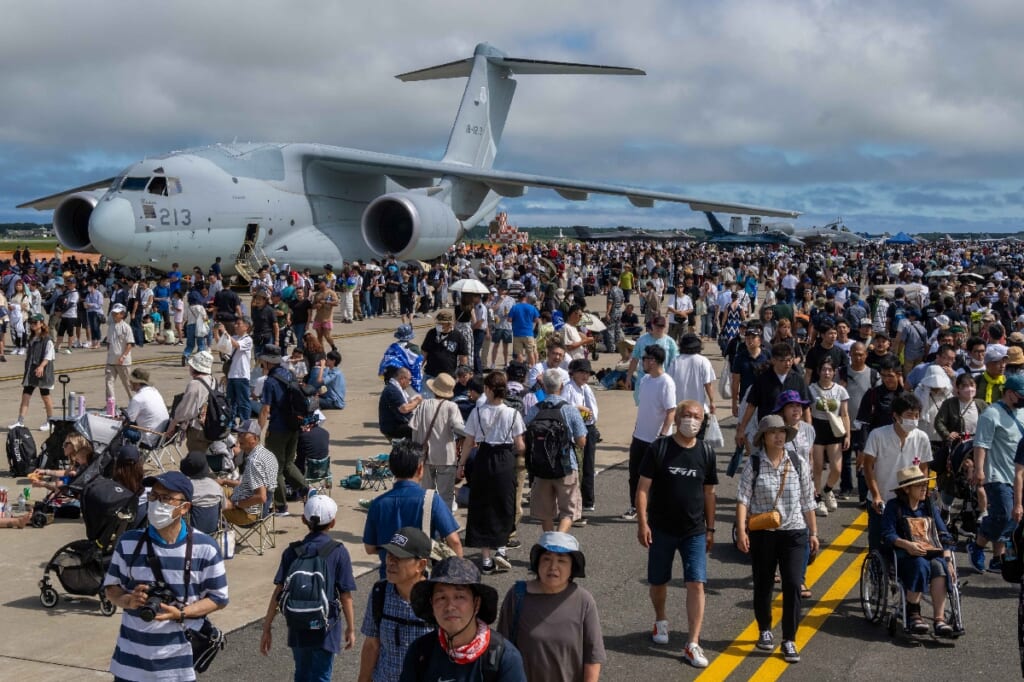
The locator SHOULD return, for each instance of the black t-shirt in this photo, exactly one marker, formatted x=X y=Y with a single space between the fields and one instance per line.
x=263 y=319
x=226 y=301
x=300 y=310
x=314 y=443
x=678 y=476
x=818 y=354
x=767 y=387
x=443 y=352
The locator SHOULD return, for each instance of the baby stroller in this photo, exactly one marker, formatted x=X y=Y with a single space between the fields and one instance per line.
x=109 y=509
x=961 y=515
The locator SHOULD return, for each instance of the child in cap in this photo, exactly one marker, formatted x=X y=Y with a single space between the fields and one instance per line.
x=314 y=650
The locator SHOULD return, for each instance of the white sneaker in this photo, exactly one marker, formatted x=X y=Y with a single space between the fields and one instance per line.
x=694 y=655
x=16 y=425
x=660 y=633
x=66 y=351
x=629 y=514
x=501 y=562
x=45 y=427
x=829 y=499
x=822 y=508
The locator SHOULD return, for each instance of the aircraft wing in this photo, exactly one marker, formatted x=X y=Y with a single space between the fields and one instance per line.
x=49 y=203
x=511 y=184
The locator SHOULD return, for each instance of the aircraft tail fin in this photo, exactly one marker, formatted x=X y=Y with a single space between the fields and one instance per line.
x=488 y=95
x=716 y=225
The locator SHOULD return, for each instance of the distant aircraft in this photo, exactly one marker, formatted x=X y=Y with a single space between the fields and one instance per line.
x=585 y=234
x=311 y=204
x=719 y=235
x=834 y=232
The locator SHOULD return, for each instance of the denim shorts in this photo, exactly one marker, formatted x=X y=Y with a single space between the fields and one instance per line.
x=662 y=553
x=501 y=336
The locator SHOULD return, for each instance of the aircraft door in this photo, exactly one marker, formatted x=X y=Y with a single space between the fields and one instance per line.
x=252 y=234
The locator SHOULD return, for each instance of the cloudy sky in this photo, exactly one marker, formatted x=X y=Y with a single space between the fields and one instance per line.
x=894 y=116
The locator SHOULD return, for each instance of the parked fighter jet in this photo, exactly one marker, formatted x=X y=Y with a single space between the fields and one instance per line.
x=311 y=204
x=719 y=235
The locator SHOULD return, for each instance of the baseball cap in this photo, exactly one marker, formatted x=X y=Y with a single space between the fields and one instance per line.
x=320 y=510
x=995 y=353
x=409 y=543
x=175 y=481
x=1015 y=383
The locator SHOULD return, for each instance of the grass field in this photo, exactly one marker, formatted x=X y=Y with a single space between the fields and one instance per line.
x=8 y=245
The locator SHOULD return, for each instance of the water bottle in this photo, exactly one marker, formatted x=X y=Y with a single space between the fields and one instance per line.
x=28 y=499
x=111 y=407
x=359 y=467
x=72 y=405
x=81 y=404
x=21 y=503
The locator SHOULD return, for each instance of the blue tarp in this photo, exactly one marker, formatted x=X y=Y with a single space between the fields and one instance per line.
x=901 y=238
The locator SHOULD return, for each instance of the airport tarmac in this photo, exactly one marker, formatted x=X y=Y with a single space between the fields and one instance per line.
x=74 y=641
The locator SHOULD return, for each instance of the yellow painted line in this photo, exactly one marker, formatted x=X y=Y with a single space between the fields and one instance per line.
x=741 y=647
x=775 y=665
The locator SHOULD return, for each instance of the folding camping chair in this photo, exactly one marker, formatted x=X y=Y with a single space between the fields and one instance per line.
x=258 y=535
x=164 y=446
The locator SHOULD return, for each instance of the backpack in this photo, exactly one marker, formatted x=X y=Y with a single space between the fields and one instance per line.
x=515 y=401
x=548 y=442
x=305 y=594
x=21 y=451
x=423 y=649
x=217 y=420
x=377 y=597
x=300 y=402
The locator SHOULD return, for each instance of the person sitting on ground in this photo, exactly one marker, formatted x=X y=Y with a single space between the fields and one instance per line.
x=79 y=453
x=913 y=527
x=455 y=600
x=327 y=378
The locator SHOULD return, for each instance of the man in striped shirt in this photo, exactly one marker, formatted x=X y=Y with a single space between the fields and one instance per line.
x=157 y=648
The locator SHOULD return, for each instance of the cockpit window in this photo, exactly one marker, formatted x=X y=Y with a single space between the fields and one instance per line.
x=134 y=184
x=173 y=186
x=158 y=186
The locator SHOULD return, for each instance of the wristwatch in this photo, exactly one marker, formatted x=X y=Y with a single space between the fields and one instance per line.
x=181 y=615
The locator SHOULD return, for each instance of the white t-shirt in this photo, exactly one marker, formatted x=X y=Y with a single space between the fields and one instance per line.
x=655 y=397
x=691 y=373
x=884 y=446
x=836 y=393
x=147 y=409
x=495 y=424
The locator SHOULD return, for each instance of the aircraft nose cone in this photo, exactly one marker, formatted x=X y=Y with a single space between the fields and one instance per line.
x=112 y=228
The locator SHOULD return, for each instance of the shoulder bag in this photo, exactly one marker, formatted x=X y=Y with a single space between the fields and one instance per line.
x=771 y=519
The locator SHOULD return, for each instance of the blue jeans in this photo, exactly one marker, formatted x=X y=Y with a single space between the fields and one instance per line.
x=238 y=399
x=299 y=329
x=312 y=663
x=93 y=318
x=192 y=343
x=998 y=525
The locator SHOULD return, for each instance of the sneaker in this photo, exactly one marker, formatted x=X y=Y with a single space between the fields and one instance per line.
x=822 y=508
x=45 y=427
x=977 y=555
x=694 y=655
x=995 y=565
x=789 y=652
x=16 y=425
x=766 y=641
x=630 y=514
x=487 y=566
x=829 y=499
x=282 y=511
x=581 y=522
x=66 y=351
x=514 y=543
x=501 y=562
x=660 y=633
x=588 y=508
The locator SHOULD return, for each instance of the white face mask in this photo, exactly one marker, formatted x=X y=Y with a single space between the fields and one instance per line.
x=908 y=424
x=689 y=426
x=160 y=514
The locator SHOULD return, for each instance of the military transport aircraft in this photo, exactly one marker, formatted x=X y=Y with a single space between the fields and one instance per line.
x=311 y=204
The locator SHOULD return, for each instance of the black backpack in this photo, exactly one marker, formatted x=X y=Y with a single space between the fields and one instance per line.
x=300 y=402
x=547 y=442
x=217 y=420
x=306 y=592
x=21 y=451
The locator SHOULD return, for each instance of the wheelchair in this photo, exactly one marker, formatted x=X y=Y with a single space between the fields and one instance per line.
x=883 y=598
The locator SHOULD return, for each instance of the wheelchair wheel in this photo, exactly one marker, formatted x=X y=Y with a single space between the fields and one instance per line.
x=954 y=615
x=48 y=597
x=874 y=587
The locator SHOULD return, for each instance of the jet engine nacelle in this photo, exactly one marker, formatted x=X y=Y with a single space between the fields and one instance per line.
x=71 y=220
x=410 y=226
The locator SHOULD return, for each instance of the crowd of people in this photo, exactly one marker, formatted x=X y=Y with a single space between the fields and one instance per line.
x=843 y=370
